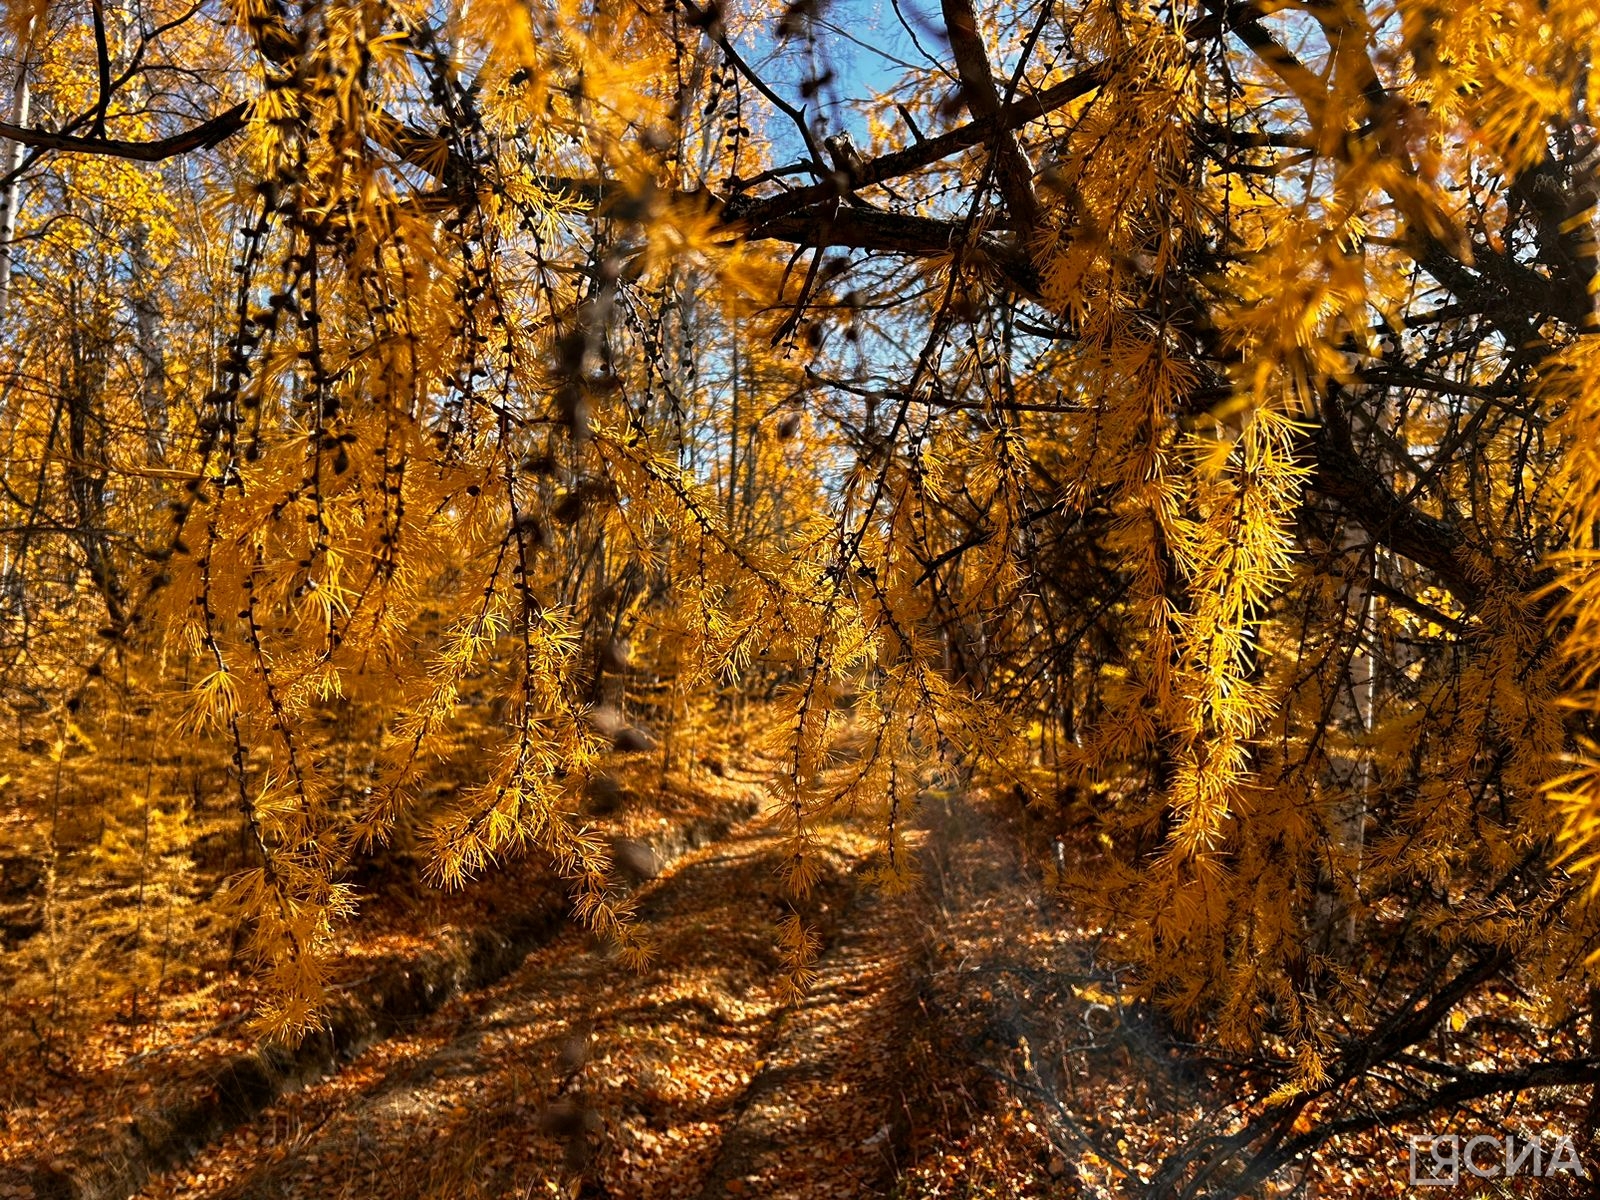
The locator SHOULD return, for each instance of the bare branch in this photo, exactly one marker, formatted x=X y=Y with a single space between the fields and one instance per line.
x=203 y=136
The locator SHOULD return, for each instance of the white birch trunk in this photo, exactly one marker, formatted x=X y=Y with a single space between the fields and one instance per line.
x=11 y=165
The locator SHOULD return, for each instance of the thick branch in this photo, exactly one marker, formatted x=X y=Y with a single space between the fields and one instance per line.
x=207 y=134
x=1509 y=293
x=102 y=51
x=983 y=99
x=896 y=233
x=926 y=153
x=1475 y=1086
x=1343 y=476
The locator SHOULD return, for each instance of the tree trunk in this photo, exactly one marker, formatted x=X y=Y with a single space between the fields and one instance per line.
x=11 y=164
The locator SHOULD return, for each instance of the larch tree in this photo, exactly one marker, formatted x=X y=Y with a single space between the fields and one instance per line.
x=1184 y=415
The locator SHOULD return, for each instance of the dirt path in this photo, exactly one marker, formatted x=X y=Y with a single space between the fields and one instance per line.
x=945 y=1049
x=821 y=1118
x=958 y=1040
x=688 y=1080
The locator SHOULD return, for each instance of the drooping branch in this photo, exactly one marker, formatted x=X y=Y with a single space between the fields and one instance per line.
x=810 y=216
x=709 y=18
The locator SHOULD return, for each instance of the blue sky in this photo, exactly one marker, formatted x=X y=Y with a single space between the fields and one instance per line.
x=865 y=44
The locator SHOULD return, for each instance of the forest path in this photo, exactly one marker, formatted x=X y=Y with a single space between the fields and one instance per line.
x=690 y=1079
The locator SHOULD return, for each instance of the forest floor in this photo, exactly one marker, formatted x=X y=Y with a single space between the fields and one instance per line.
x=958 y=1041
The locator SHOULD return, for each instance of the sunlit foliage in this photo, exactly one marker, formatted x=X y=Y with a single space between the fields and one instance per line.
x=1183 y=415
